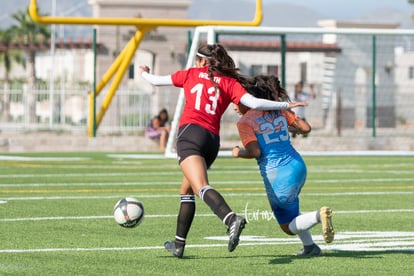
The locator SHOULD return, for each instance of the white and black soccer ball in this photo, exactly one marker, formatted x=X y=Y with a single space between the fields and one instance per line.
x=129 y=212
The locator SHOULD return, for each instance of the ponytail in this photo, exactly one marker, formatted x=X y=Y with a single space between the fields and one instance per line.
x=219 y=62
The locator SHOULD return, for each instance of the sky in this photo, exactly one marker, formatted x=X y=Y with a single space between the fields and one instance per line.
x=327 y=9
x=336 y=9
x=345 y=9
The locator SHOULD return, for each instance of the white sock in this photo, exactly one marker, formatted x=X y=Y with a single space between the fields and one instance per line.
x=303 y=222
x=306 y=238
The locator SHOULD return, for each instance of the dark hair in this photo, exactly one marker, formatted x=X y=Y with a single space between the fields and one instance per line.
x=219 y=61
x=266 y=87
x=163 y=111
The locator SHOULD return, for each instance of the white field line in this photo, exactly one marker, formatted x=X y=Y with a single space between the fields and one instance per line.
x=178 y=172
x=4 y=200
x=382 y=241
x=124 y=157
x=344 y=247
x=175 y=215
x=25 y=158
x=92 y=217
x=70 y=175
x=142 y=183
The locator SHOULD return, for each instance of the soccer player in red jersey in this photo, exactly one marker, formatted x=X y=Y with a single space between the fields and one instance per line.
x=209 y=88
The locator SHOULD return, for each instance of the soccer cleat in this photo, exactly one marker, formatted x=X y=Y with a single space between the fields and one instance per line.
x=314 y=251
x=235 y=228
x=176 y=251
x=326 y=221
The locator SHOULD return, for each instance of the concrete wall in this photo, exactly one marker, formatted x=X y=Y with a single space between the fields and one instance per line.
x=79 y=142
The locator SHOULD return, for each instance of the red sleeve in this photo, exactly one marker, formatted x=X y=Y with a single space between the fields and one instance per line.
x=239 y=91
x=179 y=78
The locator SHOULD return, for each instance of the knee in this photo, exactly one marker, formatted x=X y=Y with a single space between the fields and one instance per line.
x=202 y=191
x=285 y=228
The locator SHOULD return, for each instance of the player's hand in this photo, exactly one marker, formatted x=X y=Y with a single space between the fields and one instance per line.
x=144 y=68
x=293 y=105
x=235 y=151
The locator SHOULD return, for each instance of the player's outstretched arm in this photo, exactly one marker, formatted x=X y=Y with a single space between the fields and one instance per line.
x=296 y=104
x=155 y=79
x=262 y=104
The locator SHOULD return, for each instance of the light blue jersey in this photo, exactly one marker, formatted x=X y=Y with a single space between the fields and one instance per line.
x=281 y=166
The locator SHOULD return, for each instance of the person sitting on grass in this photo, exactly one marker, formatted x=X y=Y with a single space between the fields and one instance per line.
x=159 y=128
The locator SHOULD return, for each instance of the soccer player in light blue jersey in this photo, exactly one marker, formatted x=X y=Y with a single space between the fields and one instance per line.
x=265 y=136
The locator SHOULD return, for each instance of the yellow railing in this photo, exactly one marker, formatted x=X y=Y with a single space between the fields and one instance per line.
x=120 y=65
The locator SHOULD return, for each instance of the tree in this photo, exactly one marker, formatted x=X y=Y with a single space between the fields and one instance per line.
x=31 y=33
x=8 y=56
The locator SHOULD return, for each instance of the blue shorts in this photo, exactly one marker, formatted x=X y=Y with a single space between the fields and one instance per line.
x=283 y=185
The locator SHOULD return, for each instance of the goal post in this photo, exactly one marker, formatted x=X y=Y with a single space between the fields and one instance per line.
x=170 y=148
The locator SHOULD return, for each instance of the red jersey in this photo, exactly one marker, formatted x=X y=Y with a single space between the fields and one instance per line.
x=204 y=105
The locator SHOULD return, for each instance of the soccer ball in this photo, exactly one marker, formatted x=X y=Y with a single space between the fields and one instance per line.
x=129 y=212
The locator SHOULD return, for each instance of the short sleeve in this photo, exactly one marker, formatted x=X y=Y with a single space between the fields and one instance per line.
x=290 y=116
x=246 y=132
x=179 y=77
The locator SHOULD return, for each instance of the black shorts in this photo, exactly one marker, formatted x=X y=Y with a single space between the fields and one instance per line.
x=195 y=140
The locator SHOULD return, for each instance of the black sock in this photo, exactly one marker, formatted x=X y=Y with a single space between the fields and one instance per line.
x=184 y=219
x=308 y=248
x=216 y=203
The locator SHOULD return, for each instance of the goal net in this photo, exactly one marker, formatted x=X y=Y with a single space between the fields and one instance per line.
x=362 y=77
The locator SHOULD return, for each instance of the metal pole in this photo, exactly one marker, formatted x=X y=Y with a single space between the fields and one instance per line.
x=283 y=59
x=374 y=84
x=94 y=83
x=189 y=41
x=52 y=71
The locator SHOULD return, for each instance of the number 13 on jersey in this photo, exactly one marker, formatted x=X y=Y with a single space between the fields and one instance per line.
x=211 y=106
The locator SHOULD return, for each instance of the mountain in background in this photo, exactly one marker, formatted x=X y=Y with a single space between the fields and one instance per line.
x=390 y=16
x=275 y=15
x=289 y=15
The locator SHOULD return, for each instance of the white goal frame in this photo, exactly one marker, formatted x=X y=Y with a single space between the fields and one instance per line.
x=211 y=33
x=211 y=39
